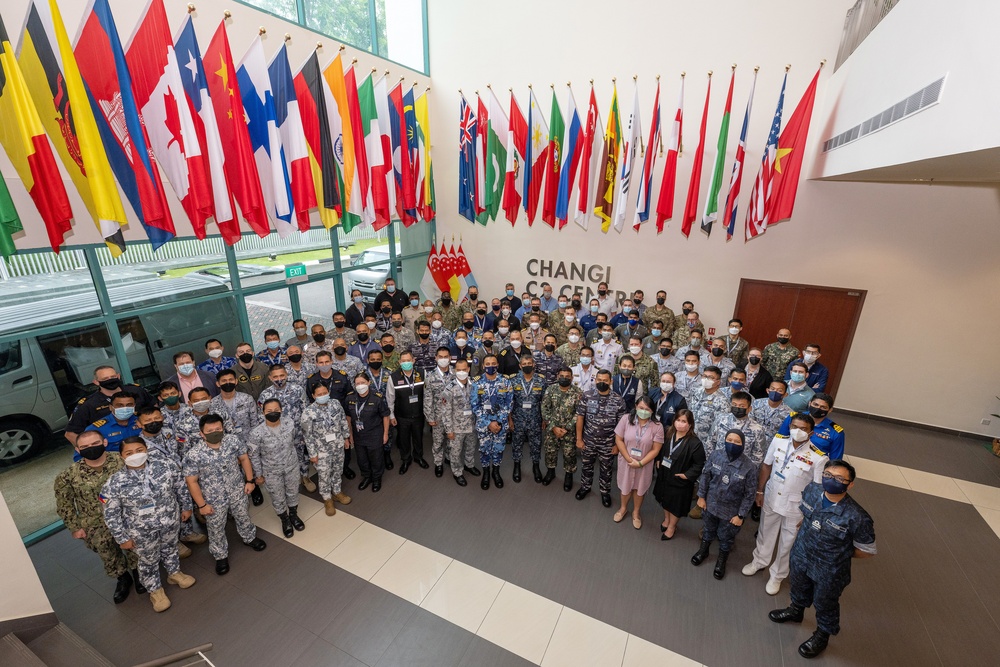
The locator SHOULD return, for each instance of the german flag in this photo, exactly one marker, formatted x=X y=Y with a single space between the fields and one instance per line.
x=23 y=137
x=316 y=126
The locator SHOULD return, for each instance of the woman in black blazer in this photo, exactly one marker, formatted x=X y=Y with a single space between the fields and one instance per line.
x=760 y=383
x=683 y=457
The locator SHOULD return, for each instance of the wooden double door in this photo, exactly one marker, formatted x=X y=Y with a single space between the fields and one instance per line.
x=827 y=316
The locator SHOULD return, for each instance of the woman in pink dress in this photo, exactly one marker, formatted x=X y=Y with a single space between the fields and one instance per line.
x=638 y=439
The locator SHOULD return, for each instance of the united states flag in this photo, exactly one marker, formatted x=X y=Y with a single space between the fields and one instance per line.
x=760 y=195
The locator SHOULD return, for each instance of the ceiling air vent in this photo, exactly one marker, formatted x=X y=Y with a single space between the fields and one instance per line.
x=923 y=98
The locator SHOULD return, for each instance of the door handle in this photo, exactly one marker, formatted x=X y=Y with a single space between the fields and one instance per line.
x=159 y=344
x=26 y=378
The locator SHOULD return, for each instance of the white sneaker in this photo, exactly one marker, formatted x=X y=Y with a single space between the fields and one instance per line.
x=773 y=586
x=750 y=569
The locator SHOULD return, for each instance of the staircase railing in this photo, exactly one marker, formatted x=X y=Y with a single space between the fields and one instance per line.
x=194 y=656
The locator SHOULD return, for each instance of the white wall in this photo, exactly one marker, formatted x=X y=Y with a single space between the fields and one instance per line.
x=926 y=254
x=23 y=595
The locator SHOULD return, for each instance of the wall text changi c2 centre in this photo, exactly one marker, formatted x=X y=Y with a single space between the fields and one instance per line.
x=569 y=277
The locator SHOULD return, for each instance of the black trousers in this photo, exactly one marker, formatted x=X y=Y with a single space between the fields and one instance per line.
x=410 y=438
x=371 y=461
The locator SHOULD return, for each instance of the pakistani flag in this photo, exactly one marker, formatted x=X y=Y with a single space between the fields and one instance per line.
x=496 y=155
x=712 y=205
x=10 y=223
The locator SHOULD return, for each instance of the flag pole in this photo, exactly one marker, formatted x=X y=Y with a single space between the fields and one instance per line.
x=642 y=149
x=226 y=15
x=190 y=8
x=660 y=135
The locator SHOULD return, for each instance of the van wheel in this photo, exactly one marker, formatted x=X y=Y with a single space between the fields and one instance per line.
x=19 y=440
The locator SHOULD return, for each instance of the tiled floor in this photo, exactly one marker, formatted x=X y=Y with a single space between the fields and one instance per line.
x=429 y=573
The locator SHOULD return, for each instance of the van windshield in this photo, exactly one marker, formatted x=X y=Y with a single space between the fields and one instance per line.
x=370 y=257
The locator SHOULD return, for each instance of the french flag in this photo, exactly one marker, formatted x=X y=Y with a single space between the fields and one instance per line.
x=572 y=150
x=293 y=141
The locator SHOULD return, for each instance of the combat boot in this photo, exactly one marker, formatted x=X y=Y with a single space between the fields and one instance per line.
x=139 y=588
x=183 y=550
x=485 y=484
x=342 y=498
x=516 y=476
x=550 y=474
x=497 y=479
x=330 y=509
x=815 y=645
x=286 y=525
x=180 y=579
x=720 y=565
x=160 y=600
x=308 y=484
x=568 y=482
x=195 y=538
x=701 y=554
x=537 y=472
x=790 y=614
x=123 y=588
x=293 y=518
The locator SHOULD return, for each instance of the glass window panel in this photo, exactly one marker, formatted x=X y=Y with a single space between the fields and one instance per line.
x=262 y=261
x=369 y=280
x=318 y=301
x=347 y=20
x=269 y=310
x=284 y=8
x=39 y=289
x=400 y=32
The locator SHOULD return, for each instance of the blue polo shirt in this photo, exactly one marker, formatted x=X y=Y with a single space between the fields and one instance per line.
x=113 y=432
x=827 y=436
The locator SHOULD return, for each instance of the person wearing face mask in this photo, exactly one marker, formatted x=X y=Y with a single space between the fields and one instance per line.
x=381 y=383
x=77 y=491
x=606 y=301
x=364 y=345
x=597 y=414
x=638 y=440
x=491 y=400
x=569 y=351
x=737 y=382
x=118 y=425
x=828 y=436
x=383 y=318
x=559 y=425
x=509 y=356
x=170 y=404
x=696 y=343
x=319 y=342
x=644 y=367
x=817 y=374
x=691 y=322
x=358 y=311
x=236 y=408
x=301 y=330
x=405 y=398
x=98 y=404
x=327 y=436
x=736 y=347
x=588 y=319
x=274 y=351
x=436 y=383
x=626 y=384
x=717 y=357
x=594 y=335
x=488 y=345
x=342 y=330
x=344 y=361
x=474 y=333
x=526 y=413
x=547 y=362
x=561 y=321
x=423 y=350
x=440 y=335
x=660 y=312
x=607 y=349
x=506 y=313
x=368 y=417
x=799 y=392
x=272 y=449
x=142 y=504
x=462 y=348
x=771 y=410
x=707 y=403
x=451 y=313
x=622 y=317
x=790 y=464
x=298 y=368
x=186 y=427
x=217 y=359
x=511 y=297
x=667 y=401
x=835 y=529
x=412 y=313
x=534 y=335
x=336 y=380
x=374 y=332
x=738 y=417
x=390 y=352
x=470 y=301
x=404 y=336
x=632 y=326
x=637 y=302
x=776 y=356
x=666 y=360
x=187 y=376
x=219 y=477
x=251 y=373
x=758 y=377
x=690 y=379
x=492 y=315
x=501 y=333
x=521 y=313
x=293 y=401
x=725 y=495
x=678 y=468
x=547 y=302
x=651 y=342
x=392 y=295
x=585 y=373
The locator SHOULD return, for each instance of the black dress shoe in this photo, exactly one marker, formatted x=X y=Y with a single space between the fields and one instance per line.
x=438 y=471
x=123 y=588
x=222 y=566
x=472 y=471
x=485 y=484
x=497 y=479
x=568 y=482
x=460 y=480
x=139 y=588
x=701 y=554
x=720 y=565
x=664 y=537
x=447 y=462
x=755 y=513
x=815 y=645
x=582 y=493
x=403 y=467
x=348 y=473
x=293 y=518
x=364 y=483
x=256 y=497
x=286 y=525
x=537 y=472
x=376 y=486
x=550 y=474
x=257 y=544
x=516 y=476
x=388 y=461
x=423 y=464
x=789 y=614
x=606 y=499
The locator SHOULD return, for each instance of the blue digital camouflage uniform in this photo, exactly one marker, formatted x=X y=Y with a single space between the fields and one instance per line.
x=163 y=447
x=754 y=443
x=821 y=556
x=221 y=479
x=212 y=366
x=669 y=364
x=350 y=365
x=491 y=401
x=559 y=411
x=300 y=376
x=435 y=383
x=526 y=411
x=768 y=417
x=325 y=430
x=171 y=417
x=239 y=416
x=705 y=408
x=144 y=505
x=600 y=417
x=293 y=402
x=113 y=432
x=456 y=417
x=265 y=356
x=728 y=488
x=187 y=429
x=423 y=356
x=272 y=453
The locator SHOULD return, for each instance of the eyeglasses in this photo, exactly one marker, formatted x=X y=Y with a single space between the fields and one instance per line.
x=830 y=475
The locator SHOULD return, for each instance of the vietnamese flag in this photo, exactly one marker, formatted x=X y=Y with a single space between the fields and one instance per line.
x=788 y=159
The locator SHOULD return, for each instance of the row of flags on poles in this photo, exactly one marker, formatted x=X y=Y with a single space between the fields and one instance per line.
x=573 y=166
x=447 y=270
x=234 y=139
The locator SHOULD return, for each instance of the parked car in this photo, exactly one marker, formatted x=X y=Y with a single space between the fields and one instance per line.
x=370 y=281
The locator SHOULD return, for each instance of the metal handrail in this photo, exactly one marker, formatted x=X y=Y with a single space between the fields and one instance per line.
x=177 y=657
x=860 y=21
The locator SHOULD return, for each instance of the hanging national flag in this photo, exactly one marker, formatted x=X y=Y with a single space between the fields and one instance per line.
x=712 y=205
x=195 y=84
x=401 y=165
x=168 y=119
x=426 y=200
x=536 y=152
x=605 y=185
x=381 y=93
x=630 y=154
x=760 y=195
x=466 y=162
x=643 y=200
x=227 y=98
x=53 y=79
x=788 y=158
x=343 y=142
x=410 y=126
x=482 y=136
x=553 y=162
x=429 y=284
x=665 y=202
x=316 y=131
x=292 y=135
x=102 y=65
x=691 y=206
x=498 y=136
x=23 y=137
x=733 y=198
x=362 y=178
x=572 y=149
x=517 y=140
x=593 y=141
x=463 y=274
x=377 y=167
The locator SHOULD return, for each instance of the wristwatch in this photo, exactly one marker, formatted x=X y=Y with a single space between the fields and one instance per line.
x=740 y=517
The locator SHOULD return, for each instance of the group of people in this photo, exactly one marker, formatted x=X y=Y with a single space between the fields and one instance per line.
x=737 y=431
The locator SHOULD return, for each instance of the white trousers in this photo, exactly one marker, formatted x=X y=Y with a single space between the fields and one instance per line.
x=779 y=530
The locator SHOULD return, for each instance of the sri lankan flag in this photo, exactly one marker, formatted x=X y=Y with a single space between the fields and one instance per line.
x=54 y=82
x=605 y=186
x=23 y=137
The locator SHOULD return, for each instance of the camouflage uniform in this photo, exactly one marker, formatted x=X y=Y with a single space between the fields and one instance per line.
x=349 y=335
x=325 y=430
x=405 y=338
x=671 y=364
x=272 y=453
x=662 y=313
x=240 y=417
x=559 y=410
x=704 y=358
x=300 y=376
x=725 y=365
x=526 y=411
x=293 y=402
x=547 y=366
x=78 y=504
x=170 y=417
x=311 y=349
x=390 y=362
x=776 y=360
x=350 y=365
x=600 y=417
x=440 y=337
x=144 y=506
x=423 y=356
x=534 y=341
x=163 y=447
x=452 y=316
x=754 y=438
x=647 y=370
x=682 y=334
x=435 y=384
x=188 y=432
x=559 y=328
x=706 y=407
x=570 y=355
x=737 y=350
x=491 y=401
x=728 y=488
x=455 y=416
x=768 y=417
x=220 y=477
x=687 y=385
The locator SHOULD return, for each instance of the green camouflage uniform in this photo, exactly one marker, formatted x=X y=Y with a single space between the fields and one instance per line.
x=663 y=313
x=559 y=410
x=682 y=334
x=390 y=362
x=776 y=360
x=559 y=328
x=570 y=356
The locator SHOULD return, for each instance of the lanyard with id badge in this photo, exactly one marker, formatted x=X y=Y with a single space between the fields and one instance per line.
x=491 y=390
x=674 y=444
x=358 y=423
x=635 y=451
x=780 y=474
x=411 y=384
x=529 y=399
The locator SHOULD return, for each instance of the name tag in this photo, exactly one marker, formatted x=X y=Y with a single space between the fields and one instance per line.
x=414 y=398
x=488 y=405
x=467 y=413
x=635 y=453
x=668 y=463
x=330 y=437
x=526 y=405
x=147 y=509
x=359 y=425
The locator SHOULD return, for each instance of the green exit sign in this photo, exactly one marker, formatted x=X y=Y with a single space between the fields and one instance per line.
x=295 y=273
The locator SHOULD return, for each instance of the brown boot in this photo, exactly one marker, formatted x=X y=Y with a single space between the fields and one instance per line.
x=195 y=538
x=342 y=498
x=178 y=578
x=330 y=509
x=160 y=600
x=308 y=484
x=183 y=550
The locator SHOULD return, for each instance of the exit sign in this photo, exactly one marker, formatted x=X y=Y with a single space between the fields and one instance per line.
x=295 y=273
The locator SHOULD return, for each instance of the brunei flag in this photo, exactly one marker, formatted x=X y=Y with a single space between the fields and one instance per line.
x=54 y=82
x=23 y=137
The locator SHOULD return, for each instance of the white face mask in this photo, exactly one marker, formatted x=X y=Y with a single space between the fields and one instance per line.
x=516 y=344
x=201 y=406
x=461 y=342
x=428 y=309
x=437 y=324
x=634 y=349
x=503 y=330
x=606 y=335
x=362 y=389
x=300 y=332
x=136 y=460
x=798 y=435
x=462 y=375
x=573 y=338
x=666 y=387
x=534 y=326
x=444 y=363
x=707 y=383
x=691 y=368
x=215 y=354
x=809 y=358
x=733 y=331
x=570 y=319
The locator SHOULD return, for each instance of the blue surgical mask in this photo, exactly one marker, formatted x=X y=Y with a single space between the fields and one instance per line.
x=626 y=309
x=406 y=365
x=273 y=344
x=737 y=385
x=414 y=302
x=585 y=361
x=594 y=309
x=632 y=321
x=324 y=399
x=775 y=396
x=833 y=487
x=733 y=451
x=798 y=377
x=510 y=292
x=656 y=332
x=490 y=370
x=122 y=414
x=390 y=288
x=185 y=369
x=358 y=299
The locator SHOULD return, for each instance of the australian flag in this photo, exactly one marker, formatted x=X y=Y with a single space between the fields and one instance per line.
x=467 y=162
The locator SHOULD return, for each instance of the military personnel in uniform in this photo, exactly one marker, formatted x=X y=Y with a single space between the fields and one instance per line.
x=560 y=322
x=597 y=415
x=607 y=349
x=440 y=334
x=717 y=357
x=681 y=318
x=631 y=327
x=337 y=381
x=462 y=348
x=771 y=411
x=219 y=477
x=585 y=373
x=390 y=352
x=301 y=337
x=118 y=425
x=405 y=337
x=237 y=409
x=469 y=327
x=547 y=362
x=341 y=329
x=778 y=355
x=436 y=382
x=534 y=335
x=559 y=422
x=666 y=360
x=487 y=346
x=651 y=343
x=696 y=344
x=737 y=348
x=644 y=366
x=424 y=351
x=273 y=351
x=272 y=450
x=380 y=379
x=682 y=333
x=725 y=494
x=454 y=413
x=412 y=313
x=172 y=407
x=297 y=368
x=293 y=402
x=835 y=529
x=706 y=403
x=142 y=504
x=327 y=436
x=828 y=436
x=526 y=414
x=690 y=379
x=405 y=398
x=251 y=373
x=569 y=351
x=320 y=341
x=509 y=357
x=491 y=401
x=662 y=313
x=78 y=504
x=451 y=314
x=187 y=427
x=217 y=361
x=98 y=405
x=738 y=417
x=368 y=416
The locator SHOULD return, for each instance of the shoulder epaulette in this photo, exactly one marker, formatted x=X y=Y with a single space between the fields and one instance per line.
x=837 y=427
x=82 y=400
x=792 y=413
x=310 y=376
x=778 y=435
x=477 y=378
x=342 y=371
x=100 y=422
x=817 y=450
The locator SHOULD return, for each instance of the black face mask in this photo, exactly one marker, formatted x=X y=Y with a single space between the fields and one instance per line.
x=445 y=300
x=340 y=324
x=474 y=297
x=214 y=437
x=818 y=413
x=660 y=300
x=468 y=325
x=717 y=351
x=754 y=361
x=637 y=301
x=363 y=337
x=396 y=324
x=528 y=369
x=92 y=453
x=246 y=357
x=576 y=304
x=388 y=348
x=272 y=417
x=319 y=338
x=340 y=350
x=565 y=382
x=481 y=312
x=602 y=292
x=375 y=365
x=424 y=335
x=602 y=386
x=386 y=311
x=739 y=413
x=686 y=311
x=111 y=383
x=153 y=427
x=550 y=348
x=665 y=351
x=496 y=309
x=782 y=340
x=228 y=387
x=487 y=343
x=295 y=358
x=535 y=309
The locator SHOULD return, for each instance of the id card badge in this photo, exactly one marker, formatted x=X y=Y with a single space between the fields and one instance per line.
x=592 y=407
x=414 y=398
x=779 y=475
x=635 y=452
x=488 y=406
x=466 y=413
x=526 y=405
x=668 y=462
x=330 y=437
x=147 y=509
x=359 y=425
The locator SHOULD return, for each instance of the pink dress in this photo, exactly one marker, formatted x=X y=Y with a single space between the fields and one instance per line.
x=639 y=438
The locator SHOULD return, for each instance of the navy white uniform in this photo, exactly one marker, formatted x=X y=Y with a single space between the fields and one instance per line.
x=272 y=453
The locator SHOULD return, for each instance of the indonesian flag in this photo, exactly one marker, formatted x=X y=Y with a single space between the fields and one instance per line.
x=385 y=139
x=665 y=203
x=733 y=198
x=788 y=158
x=643 y=200
x=513 y=187
x=536 y=154
x=293 y=141
x=691 y=206
x=630 y=153
x=593 y=143
x=760 y=195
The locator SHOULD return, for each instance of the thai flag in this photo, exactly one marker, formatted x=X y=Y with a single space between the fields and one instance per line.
x=293 y=141
x=572 y=150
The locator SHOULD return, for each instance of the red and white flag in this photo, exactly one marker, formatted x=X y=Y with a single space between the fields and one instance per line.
x=590 y=162
x=665 y=202
x=694 y=187
x=513 y=184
